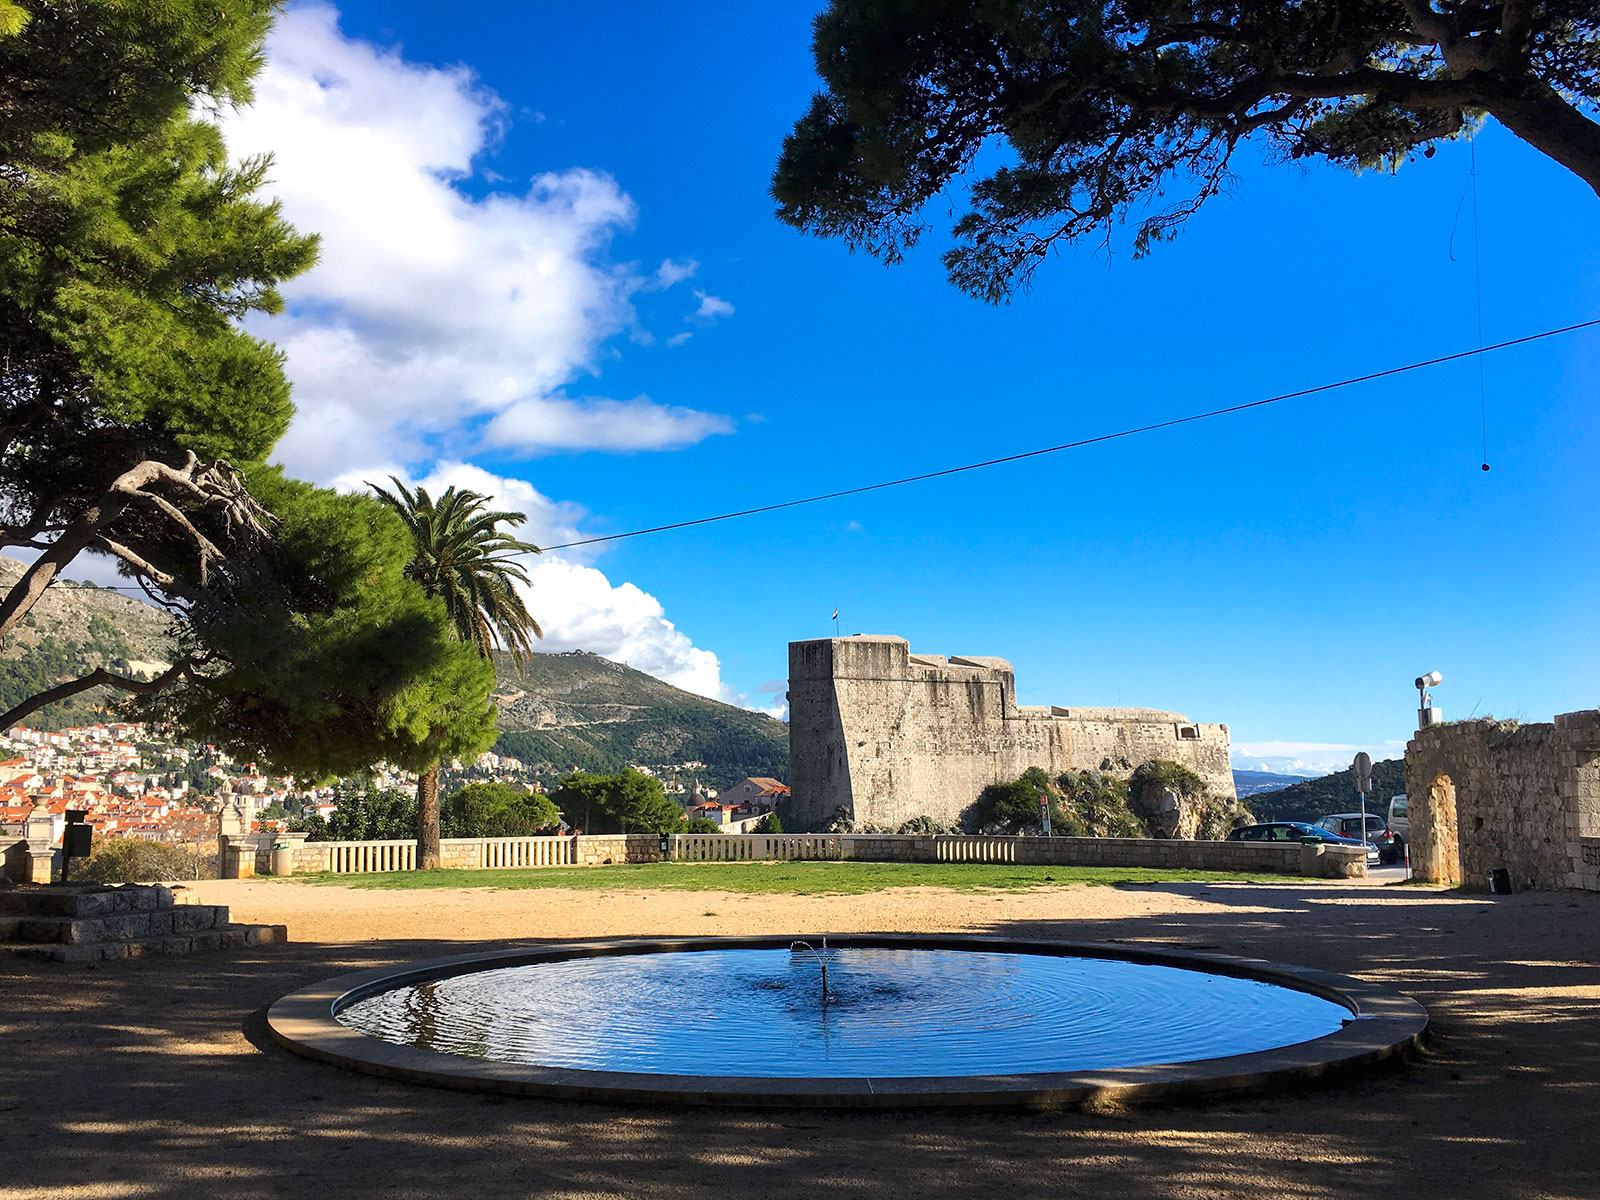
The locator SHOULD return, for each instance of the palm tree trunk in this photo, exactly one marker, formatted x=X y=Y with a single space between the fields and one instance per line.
x=428 y=819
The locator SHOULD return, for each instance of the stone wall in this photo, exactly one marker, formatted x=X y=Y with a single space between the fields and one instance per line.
x=1490 y=794
x=887 y=735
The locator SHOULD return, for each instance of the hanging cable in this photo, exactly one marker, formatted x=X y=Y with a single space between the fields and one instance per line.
x=1091 y=441
x=1477 y=282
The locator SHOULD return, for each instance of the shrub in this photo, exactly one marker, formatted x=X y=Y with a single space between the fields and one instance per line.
x=482 y=810
x=1014 y=807
x=768 y=824
x=707 y=825
x=364 y=816
x=134 y=860
x=627 y=802
x=1100 y=804
x=922 y=827
x=1218 y=818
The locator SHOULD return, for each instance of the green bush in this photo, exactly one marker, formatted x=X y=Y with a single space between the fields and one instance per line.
x=922 y=826
x=134 y=860
x=364 y=816
x=768 y=824
x=1014 y=807
x=1100 y=805
x=496 y=810
x=707 y=825
x=627 y=802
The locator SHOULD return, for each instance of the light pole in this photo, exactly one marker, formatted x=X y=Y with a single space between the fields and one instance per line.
x=1427 y=714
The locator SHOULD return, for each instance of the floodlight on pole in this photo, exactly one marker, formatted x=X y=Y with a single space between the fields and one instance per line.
x=1427 y=714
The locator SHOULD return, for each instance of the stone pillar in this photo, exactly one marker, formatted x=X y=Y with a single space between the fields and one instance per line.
x=235 y=848
x=41 y=854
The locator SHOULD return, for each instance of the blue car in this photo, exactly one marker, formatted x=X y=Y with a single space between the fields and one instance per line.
x=1299 y=831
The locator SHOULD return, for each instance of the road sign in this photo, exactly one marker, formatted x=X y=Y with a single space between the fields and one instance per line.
x=1363 y=767
x=1044 y=812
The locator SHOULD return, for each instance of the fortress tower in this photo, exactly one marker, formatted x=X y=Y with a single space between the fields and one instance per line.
x=887 y=735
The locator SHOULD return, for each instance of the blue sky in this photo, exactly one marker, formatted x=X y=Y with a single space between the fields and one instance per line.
x=1287 y=571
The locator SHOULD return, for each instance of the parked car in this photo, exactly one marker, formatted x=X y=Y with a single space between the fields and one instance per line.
x=1400 y=816
x=1391 y=847
x=1298 y=831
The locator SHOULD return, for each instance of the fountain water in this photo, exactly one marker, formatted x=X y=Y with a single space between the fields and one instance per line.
x=822 y=961
x=915 y=1020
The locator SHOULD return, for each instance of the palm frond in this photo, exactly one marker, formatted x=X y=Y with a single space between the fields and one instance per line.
x=464 y=557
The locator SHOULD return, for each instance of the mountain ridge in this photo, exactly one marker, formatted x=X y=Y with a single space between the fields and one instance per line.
x=557 y=711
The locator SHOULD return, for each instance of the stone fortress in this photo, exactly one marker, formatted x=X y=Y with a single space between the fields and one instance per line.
x=886 y=735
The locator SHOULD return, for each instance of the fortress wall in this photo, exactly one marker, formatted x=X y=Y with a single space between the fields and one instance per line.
x=1128 y=742
x=886 y=735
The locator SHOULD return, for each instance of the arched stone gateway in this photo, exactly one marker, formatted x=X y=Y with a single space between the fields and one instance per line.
x=1492 y=794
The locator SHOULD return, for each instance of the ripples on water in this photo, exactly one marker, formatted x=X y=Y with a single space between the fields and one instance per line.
x=889 y=1013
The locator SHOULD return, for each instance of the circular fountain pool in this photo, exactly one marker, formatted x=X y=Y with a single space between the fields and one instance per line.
x=904 y=1020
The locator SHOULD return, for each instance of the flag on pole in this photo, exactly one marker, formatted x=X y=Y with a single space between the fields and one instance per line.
x=835 y=616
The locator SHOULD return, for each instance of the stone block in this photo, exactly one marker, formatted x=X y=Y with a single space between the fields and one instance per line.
x=45 y=929
x=90 y=904
x=192 y=918
x=210 y=939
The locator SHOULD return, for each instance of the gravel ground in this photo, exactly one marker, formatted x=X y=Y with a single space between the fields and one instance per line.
x=155 y=1078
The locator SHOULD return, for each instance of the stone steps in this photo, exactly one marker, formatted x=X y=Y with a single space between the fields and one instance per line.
x=92 y=923
x=227 y=937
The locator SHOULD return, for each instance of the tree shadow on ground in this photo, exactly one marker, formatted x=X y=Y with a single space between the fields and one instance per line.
x=153 y=1078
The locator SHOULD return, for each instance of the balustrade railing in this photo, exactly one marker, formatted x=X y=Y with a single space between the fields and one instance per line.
x=350 y=858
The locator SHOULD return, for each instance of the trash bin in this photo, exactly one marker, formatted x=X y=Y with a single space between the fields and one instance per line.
x=1500 y=881
x=282 y=858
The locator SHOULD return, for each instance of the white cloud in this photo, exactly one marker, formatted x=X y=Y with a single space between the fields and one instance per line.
x=679 y=339
x=577 y=606
x=1307 y=758
x=431 y=309
x=557 y=423
x=439 y=323
x=712 y=308
x=672 y=271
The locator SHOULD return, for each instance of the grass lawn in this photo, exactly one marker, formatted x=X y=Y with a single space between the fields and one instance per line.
x=792 y=878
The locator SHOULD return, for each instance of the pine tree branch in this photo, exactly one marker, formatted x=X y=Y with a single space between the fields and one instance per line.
x=99 y=677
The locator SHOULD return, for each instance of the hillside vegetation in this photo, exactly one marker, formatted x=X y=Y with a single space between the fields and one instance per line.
x=73 y=630
x=1330 y=794
x=557 y=712
x=578 y=711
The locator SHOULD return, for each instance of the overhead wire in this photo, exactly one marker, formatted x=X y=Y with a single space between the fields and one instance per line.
x=1134 y=431
x=1477 y=282
x=1088 y=441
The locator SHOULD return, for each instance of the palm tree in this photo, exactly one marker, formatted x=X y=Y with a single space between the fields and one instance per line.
x=462 y=556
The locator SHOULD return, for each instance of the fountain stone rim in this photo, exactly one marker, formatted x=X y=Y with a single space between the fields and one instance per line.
x=1386 y=1024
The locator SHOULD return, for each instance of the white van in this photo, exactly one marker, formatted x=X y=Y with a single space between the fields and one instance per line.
x=1399 y=816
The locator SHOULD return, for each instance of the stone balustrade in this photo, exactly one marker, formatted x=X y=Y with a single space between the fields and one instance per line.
x=471 y=854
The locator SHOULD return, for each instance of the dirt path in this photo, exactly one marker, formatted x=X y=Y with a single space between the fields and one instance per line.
x=328 y=913
x=151 y=1078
